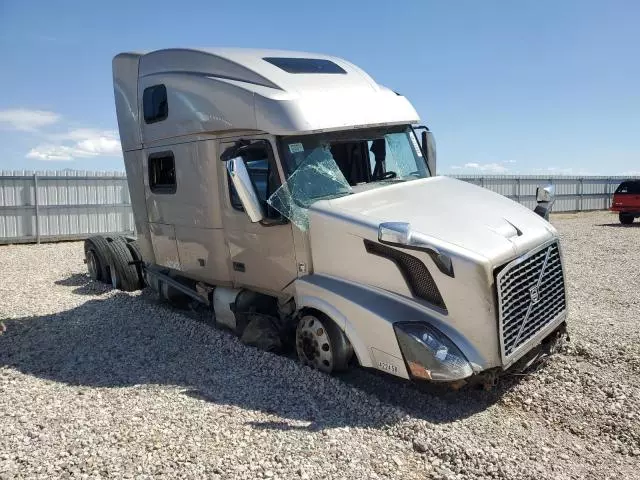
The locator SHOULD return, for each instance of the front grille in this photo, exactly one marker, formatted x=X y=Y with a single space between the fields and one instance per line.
x=530 y=296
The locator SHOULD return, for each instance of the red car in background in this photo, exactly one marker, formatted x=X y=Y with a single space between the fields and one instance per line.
x=626 y=201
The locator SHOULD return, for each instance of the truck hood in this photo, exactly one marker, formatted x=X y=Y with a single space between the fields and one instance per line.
x=455 y=215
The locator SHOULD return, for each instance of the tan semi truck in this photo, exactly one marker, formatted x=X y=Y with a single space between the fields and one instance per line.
x=292 y=186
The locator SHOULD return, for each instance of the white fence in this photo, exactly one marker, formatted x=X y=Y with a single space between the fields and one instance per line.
x=573 y=194
x=51 y=206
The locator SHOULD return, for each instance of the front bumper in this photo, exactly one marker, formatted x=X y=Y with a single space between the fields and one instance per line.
x=624 y=209
x=533 y=359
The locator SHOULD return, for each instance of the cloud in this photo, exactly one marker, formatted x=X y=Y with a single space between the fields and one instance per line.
x=493 y=167
x=52 y=152
x=78 y=143
x=66 y=145
x=561 y=170
x=28 y=120
x=484 y=167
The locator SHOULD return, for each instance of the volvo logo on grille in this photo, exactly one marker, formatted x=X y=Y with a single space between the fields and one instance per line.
x=534 y=294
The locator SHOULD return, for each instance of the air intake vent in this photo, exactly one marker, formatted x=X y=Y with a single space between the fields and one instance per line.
x=415 y=273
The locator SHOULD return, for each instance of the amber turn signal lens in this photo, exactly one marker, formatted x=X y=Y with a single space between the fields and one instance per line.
x=418 y=371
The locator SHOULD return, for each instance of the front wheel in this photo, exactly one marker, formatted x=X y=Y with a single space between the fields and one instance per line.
x=625 y=218
x=321 y=344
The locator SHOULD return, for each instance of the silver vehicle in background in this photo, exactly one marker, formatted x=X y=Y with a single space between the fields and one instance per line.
x=292 y=187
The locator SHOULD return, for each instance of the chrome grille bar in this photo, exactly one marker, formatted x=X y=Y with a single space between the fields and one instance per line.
x=531 y=295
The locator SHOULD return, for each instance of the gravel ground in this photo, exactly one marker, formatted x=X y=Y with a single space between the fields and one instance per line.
x=99 y=383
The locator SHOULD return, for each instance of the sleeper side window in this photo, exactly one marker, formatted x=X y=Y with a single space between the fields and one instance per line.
x=154 y=104
x=264 y=176
x=162 y=172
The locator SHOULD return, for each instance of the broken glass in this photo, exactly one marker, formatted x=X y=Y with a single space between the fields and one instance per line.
x=401 y=157
x=317 y=177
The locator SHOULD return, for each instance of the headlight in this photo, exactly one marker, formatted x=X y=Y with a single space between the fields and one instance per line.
x=429 y=354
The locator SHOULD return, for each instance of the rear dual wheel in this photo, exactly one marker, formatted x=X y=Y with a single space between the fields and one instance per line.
x=114 y=260
x=321 y=344
x=98 y=257
x=123 y=269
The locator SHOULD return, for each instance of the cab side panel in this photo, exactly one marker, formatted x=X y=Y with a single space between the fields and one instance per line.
x=203 y=254
x=202 y=246
x=187 y=223
x=134 y=166
x=163 y=239
x=125 y=91
x=196 y=104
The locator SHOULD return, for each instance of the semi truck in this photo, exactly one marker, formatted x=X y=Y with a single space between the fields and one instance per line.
x=292 y=187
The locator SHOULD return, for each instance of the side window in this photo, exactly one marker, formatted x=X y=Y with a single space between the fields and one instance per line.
x=395 y=152
x=154 y=104
x=264 y=176
x=162 y=172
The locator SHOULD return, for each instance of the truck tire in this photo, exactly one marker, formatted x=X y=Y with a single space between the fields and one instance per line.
x=132 y=245
x=321 y=344
x=98 y=257
x=122 y=269
x=626 y=218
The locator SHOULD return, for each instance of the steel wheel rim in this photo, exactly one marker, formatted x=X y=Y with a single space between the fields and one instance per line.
x=313 y=344
x=92 y=265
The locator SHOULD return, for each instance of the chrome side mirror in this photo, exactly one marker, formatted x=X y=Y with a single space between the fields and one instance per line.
x=247 y=194
x=545 y=196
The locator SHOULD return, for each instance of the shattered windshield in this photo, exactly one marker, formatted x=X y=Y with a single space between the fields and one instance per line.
x=329 y=165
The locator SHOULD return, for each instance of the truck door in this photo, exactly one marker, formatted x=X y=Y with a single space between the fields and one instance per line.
x=634 y=190
x=262 y=256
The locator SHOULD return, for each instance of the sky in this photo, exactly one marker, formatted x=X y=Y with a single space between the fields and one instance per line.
x=525 y=87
